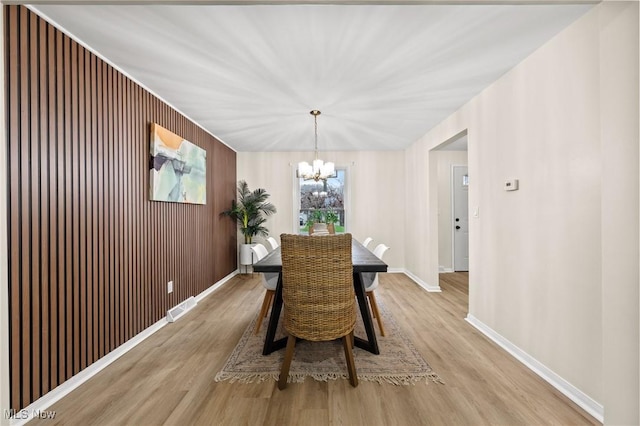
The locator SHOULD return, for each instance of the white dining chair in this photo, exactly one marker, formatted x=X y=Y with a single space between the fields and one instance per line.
x=269 y=282
x=274 y=244
x=367 y=241
x=371 y=283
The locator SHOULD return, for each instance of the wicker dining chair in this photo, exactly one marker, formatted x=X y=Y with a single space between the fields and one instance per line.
x=318 y=295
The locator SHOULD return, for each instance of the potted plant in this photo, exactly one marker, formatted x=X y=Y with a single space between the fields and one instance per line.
x=315 y=216
x=250 y=212
x=331 y=217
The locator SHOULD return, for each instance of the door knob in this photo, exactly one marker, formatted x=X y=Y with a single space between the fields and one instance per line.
x=457 y=227
x=457 y=219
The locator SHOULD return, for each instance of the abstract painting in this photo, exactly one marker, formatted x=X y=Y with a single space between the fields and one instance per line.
x=178 y=168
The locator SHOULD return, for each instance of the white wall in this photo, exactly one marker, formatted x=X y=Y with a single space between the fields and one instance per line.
x=537 y=265
x=446 y=159
x=377 y=192
x=620 y=252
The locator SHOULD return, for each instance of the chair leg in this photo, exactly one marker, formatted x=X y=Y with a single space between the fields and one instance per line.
x=376 y=312
x=286 y=363
x=269 y=295
x=348 y=354
x=266 y=302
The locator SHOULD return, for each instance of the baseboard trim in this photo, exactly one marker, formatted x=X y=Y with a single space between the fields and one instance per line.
x=567 y=389
x=40 y=405
x=429 y=288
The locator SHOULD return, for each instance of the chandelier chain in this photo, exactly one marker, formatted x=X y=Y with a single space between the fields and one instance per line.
x=315 y=119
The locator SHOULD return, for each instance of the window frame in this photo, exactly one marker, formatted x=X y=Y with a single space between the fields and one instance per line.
x=346 y=194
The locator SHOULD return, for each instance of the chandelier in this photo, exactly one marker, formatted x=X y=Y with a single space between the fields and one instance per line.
x=318 y=170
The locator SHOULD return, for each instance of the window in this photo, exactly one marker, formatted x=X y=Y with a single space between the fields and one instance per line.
x=319 y=198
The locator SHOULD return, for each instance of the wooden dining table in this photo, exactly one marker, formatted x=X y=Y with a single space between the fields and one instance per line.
x=363 y=261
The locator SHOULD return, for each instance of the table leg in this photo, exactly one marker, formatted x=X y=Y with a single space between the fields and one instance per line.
x=371 y=344
x=270 y=344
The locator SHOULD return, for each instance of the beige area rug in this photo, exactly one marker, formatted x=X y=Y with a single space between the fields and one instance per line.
x=399 y=362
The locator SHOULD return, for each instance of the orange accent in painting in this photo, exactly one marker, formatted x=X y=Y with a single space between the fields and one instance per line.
x=168 y=138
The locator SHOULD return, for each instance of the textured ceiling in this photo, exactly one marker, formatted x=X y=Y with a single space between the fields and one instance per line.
x=381 y=75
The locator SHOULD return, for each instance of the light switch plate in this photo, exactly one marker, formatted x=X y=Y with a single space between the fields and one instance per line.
x=511 y=185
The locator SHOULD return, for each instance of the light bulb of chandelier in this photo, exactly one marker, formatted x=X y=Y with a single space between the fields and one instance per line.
x=304 y=169
x=317 y=166
x=328 y=169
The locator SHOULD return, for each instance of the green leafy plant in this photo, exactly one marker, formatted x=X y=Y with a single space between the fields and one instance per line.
x=331 y=216
x=250 y=211
x=317 y=216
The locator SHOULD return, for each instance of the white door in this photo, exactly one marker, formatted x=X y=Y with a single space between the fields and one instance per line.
x=460 y=222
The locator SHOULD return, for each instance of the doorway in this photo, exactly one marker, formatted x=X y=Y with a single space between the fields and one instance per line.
x=460 y=218
x=451 y=182
x=450 y=159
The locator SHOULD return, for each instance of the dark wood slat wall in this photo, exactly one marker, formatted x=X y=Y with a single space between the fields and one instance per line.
x=90 y=255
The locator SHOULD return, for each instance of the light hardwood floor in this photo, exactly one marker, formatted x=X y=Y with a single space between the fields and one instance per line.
x=168 y=378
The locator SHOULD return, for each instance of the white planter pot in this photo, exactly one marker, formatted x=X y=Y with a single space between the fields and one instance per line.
x=246 y=254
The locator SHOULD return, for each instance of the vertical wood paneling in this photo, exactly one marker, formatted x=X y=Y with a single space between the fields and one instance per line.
x=126 y=212
x=95 y=207
x=13 y=202
x=34 y=201
x=43 y=199
x=67 y=145
x=102 y=268
x=90 y=255
x=109 y=189
x=51 y=214
x=25 y=232
x=81 y=220
x=87 y=214
x=59 y=172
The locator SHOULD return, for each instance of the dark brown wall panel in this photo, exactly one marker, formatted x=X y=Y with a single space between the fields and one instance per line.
x=90 y=255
